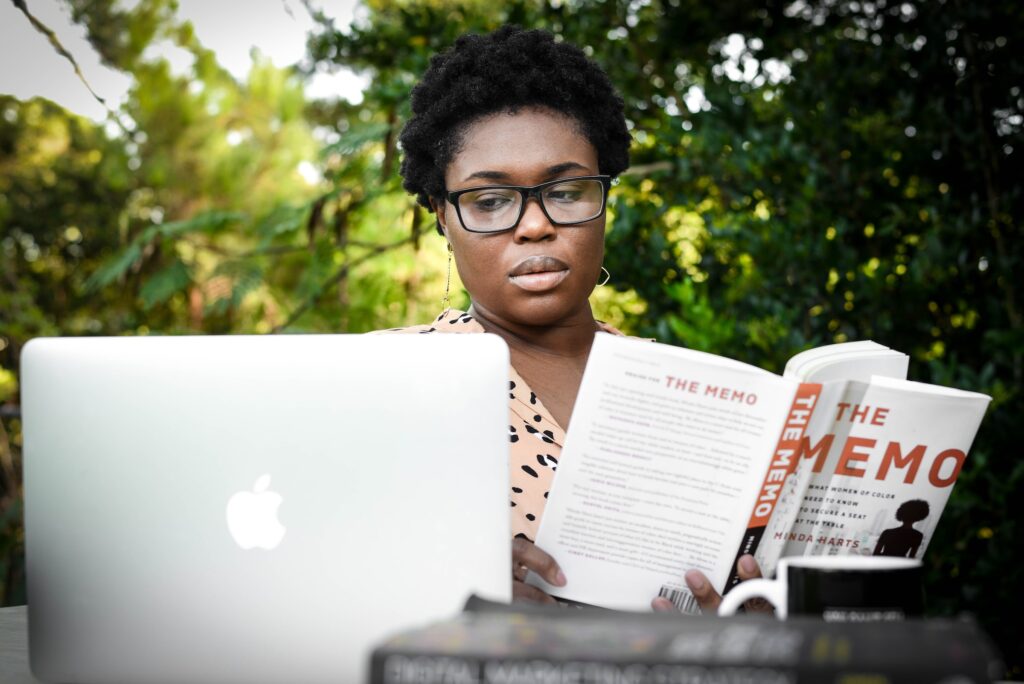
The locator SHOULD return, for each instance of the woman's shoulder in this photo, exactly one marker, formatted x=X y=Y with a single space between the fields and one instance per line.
x=450 y=321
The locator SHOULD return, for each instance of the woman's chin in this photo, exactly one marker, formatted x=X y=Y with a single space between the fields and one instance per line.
x=544 y=310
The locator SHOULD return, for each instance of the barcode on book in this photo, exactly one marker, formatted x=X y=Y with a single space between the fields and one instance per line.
x=682 y=598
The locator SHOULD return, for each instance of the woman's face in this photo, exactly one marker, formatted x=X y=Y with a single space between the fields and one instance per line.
x=537 y=273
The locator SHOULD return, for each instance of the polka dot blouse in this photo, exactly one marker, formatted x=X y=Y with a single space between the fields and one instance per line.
x=535 y=438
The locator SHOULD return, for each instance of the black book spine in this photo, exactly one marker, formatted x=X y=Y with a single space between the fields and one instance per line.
x=398 y=668
x=411 y=668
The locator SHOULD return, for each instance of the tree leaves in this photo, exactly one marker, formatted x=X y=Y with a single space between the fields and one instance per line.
x=356 y=138
x=165 y=283
x=210 y=223
x=118 y=265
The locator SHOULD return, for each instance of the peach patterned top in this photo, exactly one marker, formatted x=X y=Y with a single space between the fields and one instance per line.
x=536 y=439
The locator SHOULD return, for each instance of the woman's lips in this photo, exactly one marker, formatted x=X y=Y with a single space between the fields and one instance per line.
x=539 y=282
x=539 y=273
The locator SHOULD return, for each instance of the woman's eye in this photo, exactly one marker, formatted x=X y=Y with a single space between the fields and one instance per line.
x=565 y=195
x=490 y=203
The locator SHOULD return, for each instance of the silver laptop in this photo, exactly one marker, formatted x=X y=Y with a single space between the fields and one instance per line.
x=257 y=509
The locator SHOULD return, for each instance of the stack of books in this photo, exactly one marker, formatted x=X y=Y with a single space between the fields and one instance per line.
x=516 y=645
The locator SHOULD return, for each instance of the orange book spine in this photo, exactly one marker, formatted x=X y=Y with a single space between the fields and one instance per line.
x=783 y=464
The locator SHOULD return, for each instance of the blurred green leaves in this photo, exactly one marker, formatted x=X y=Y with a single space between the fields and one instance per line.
x=8 y=384
x=118 y=264
x=166 y=282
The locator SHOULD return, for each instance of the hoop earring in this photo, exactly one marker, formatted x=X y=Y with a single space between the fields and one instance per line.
x=446 y=303
x=607 y=277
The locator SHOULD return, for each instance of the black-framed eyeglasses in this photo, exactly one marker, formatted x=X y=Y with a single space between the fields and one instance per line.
x=497 y=208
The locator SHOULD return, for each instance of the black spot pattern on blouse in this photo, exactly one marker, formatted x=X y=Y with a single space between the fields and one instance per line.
x=532 y=471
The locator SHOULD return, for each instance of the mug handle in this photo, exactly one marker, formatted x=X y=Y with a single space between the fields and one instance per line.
x=774 y=591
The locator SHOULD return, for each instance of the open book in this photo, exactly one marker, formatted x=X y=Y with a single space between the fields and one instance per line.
x=679 y=460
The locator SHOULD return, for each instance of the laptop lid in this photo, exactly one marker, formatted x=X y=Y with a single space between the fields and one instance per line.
x=257 y=509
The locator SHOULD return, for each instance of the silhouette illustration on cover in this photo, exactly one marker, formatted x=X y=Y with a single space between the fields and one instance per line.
x=903 y=540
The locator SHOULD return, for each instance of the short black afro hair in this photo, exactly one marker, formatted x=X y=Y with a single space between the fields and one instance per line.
x=913 y=511
x=506 y=70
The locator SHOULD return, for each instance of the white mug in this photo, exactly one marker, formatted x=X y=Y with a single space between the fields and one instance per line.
x=837 y=588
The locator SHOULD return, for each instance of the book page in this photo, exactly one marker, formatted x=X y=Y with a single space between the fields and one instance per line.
x=847 y=361
x=660 y=471
x=796 y=364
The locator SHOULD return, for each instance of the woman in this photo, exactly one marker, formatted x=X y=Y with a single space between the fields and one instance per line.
x=513 y=143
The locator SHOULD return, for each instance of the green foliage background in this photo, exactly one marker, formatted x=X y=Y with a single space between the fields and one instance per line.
x=803 y=173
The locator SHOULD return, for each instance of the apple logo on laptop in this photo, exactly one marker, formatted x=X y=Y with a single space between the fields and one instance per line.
x=252 y=517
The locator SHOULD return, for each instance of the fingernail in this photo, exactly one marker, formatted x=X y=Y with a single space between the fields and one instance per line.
x=696 y=582
x=560 y=579
x=748 y=565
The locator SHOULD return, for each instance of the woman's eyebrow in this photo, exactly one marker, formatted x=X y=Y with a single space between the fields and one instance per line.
x=487 y=175
x=563 y=167
x=550 y=172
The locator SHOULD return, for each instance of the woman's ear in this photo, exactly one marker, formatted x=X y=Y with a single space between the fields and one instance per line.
x=439 y=207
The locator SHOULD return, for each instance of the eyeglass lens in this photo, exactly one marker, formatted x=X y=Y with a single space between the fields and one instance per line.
x=494 y=209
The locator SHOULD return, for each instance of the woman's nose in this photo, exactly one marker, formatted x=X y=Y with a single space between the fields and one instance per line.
x=534 y=225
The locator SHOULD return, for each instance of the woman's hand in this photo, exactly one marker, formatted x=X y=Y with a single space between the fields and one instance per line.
x=528 y=556
x=708 y=599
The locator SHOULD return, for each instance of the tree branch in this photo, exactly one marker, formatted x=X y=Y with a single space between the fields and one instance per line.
x=63 y=52
x=338 y=276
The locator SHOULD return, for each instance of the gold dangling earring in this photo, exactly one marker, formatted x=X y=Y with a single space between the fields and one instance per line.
x=446 y=303
x=607 y=277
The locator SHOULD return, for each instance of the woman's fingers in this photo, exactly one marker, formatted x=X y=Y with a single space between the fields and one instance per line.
x=748 y=569
x=660 y=604
x=527 y=556
x=707 y=598
x=527 y=592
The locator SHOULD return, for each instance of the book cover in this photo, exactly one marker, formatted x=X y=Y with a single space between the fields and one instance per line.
x=830 y=368
x=881 y=478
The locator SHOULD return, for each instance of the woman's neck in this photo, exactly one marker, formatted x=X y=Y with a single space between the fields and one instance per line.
x=549 y=358
x=568 y=339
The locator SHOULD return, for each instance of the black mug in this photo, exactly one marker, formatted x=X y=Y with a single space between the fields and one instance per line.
x=837 y=589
